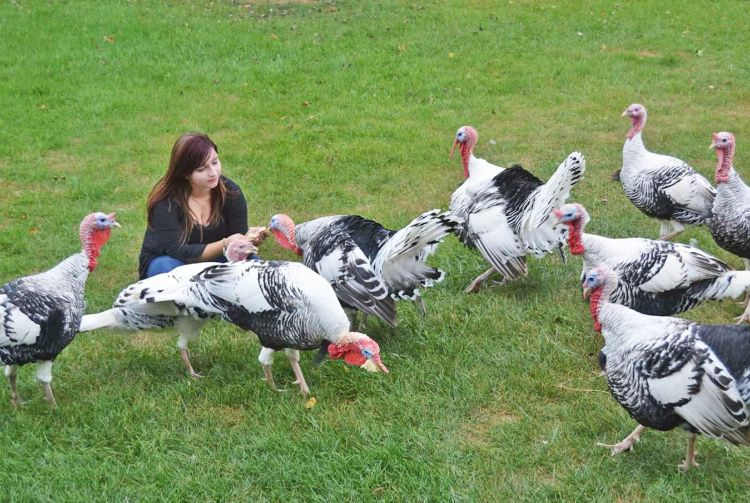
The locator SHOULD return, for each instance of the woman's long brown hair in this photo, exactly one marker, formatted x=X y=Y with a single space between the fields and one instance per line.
x=189 y=152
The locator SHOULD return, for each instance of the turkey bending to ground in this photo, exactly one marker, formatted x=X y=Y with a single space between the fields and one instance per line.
x=509 y=215
x=661 y=186
x=129 y=312
x=41 y=313
x=668 y=372
x=286 y=304
x=368 y=265
x=476 y=172
x=655 y=277
x=730 y=225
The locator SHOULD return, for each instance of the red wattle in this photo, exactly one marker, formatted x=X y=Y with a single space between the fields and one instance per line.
x=723 y=167
x=594 y=308
x=465 y=154
x=96 y=240
x=348 y=352
x=575 y=240
x=355 y=358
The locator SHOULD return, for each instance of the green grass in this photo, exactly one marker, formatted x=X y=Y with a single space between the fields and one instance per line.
x=350 y=107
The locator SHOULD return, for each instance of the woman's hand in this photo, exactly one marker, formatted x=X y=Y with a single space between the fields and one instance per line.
x=257 y=235
x=229 y=239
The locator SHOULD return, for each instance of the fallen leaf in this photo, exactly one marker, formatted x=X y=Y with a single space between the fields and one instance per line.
x=310 y=403
x=109 y=38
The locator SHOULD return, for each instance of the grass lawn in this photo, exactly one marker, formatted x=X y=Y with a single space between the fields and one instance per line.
x=337 y=107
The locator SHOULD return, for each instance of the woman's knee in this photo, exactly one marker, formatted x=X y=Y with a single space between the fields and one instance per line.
x=162 y=264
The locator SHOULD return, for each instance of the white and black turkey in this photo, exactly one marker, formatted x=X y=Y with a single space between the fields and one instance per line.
x=668 y=372
x=655 y=277
x=730 y=225
x=40 y=314
x=476 y=172
x=368 y=265
x=661 y=186
x=508 y=215
x=129 y=312
x=287 y=305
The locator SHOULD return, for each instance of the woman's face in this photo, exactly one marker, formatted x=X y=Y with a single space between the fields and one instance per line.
x=206 y=176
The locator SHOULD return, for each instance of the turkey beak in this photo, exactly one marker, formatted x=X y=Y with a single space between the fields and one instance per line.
x=453 y=148
x=375 y=365
x=625 y=113
x=586 y=293
x=714 y=144
x=113 y=222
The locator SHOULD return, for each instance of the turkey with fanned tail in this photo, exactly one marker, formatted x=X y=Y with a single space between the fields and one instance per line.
x=668 y=372
x=662 y=186
x=40 y=314
x=368 y=265
x=508 y=215
x=655 y=277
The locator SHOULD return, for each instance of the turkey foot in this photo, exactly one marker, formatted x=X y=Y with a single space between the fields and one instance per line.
x=628 y=443
x=474 y=286
x=300 y=378
x=48 y=395
x=15 y=399
x=186 y=359
x=268 y=377
x=689 y=461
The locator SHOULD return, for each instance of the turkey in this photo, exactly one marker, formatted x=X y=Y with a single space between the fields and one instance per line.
x=41 y=313
x=668 y=372
x=655 y=277
x=510 y=216
x=129 y=312
x=730 y=225
x=476 y=172
x=286 y=304
x=661 y=186
x=368 y=265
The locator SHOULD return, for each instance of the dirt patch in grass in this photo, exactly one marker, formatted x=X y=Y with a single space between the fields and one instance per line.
x=147 y=340
x=287 y=2
x=477 y=430
x=223 y=414
x=648 y=54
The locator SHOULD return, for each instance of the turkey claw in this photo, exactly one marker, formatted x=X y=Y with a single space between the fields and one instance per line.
x=618 y=448
x=303 y=387
x=196 y=375
x=685 y=465
x=472 y=288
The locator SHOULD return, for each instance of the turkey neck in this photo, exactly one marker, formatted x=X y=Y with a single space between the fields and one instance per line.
x=632 y=150
x=599 y=298
x=724 y=169
x=594 y=307
x=467 y=152
x=92 y=245
x=575 y=237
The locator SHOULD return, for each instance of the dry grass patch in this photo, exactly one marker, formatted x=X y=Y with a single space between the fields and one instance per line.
x=145 y=339
x=477 y=430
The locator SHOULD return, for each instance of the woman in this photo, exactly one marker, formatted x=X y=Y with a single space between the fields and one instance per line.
x=193 y=211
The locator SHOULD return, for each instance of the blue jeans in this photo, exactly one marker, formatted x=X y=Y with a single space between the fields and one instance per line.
x=165 y=263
